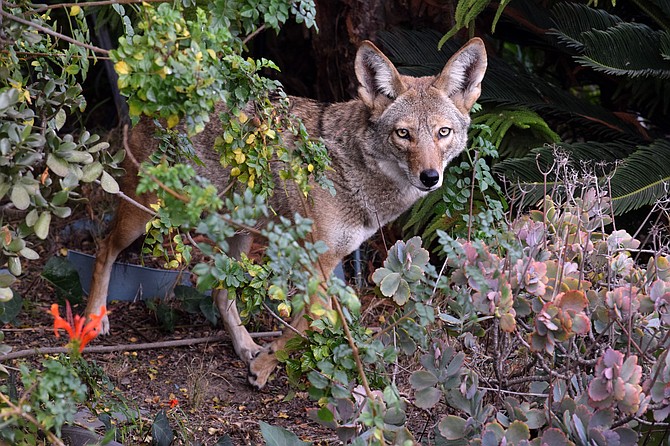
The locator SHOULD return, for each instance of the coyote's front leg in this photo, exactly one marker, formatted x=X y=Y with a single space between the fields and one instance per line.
x=265 y=361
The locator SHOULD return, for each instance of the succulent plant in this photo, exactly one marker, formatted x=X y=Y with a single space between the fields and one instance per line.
x=560 y=319
x=403 y=267
x=659 y=388
x=622 y=301
x=616 y=383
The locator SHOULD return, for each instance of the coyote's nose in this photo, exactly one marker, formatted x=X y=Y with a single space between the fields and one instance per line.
x=429 y=177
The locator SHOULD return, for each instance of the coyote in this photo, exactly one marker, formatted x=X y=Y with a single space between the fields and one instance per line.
x=388 y=148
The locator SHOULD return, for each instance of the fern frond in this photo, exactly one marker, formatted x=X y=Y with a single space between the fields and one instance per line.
x=465 y=14
x=500 y=120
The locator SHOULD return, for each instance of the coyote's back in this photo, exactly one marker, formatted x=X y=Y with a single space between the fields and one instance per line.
x=387 y=148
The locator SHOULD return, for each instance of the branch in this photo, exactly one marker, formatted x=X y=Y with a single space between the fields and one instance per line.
x=97 y=3
x=132 y=347
x=354 y=348
x=53 y=33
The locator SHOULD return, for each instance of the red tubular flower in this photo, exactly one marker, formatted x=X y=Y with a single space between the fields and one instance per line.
x=80 y=332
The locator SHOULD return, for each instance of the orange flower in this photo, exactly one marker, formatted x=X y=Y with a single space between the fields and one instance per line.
x=80 y=332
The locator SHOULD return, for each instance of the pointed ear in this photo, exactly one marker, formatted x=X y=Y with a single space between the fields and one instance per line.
x=376 y=74
x=462 y=77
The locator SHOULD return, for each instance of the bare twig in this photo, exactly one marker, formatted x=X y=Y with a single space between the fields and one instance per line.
x=96 y=3
x=354 y=348
x=132 y=347
x=283 y=322
x=53 y=33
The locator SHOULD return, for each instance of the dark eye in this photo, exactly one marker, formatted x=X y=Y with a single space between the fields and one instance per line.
x=402 y=133
x=444 y=132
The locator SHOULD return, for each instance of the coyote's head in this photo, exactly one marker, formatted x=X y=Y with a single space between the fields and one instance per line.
x=422 y=122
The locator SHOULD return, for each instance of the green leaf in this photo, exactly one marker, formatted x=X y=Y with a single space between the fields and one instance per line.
x=14 y=265
x=278 y=436
x=402 y=294
x=452 y=427
x=60 y=118
x=422 y=379
x=161 y=431
x=6 y=294
x=389 y=284
x=109 y=184
x=20 y=197
x=11 y=308
x=6 y=280
x=41 y=227
x=64 y=277
x=91 y=172
x=58 y=165
x=427 y=398
x=517 y=432
x=29 y=254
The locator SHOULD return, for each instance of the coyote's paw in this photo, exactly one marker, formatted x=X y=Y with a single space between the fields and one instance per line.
x=104 y=322
x=261 y=367
x=247 y=351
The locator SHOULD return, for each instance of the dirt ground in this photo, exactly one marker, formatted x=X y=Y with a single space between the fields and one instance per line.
x=201 y=387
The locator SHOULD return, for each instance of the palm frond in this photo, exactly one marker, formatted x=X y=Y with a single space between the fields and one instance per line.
x=627 y=49
x=665 y=45
x=571 y=20
x=643 y=177
x=640 y=179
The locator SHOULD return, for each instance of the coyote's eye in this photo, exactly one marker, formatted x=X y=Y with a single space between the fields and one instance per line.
x=402 y=133
x=444 y=132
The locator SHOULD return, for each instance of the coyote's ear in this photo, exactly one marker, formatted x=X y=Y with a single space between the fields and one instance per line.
x=462 y=77
x=376 y=74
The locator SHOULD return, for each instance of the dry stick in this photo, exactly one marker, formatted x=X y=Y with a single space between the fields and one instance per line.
x=53 y=33
x=283 y=322
x=354 y=349
x=97 y=3
x=472 y=194
x=130 y=347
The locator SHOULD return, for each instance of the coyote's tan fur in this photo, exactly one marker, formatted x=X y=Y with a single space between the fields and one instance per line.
x=388 y=148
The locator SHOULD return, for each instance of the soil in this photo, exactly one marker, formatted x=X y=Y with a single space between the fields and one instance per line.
x=202 y=387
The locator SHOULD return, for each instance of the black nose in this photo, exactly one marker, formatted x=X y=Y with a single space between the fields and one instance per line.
x=429 y=177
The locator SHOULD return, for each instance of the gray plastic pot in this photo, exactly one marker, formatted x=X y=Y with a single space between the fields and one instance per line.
x=129 y=282
x=78 y=436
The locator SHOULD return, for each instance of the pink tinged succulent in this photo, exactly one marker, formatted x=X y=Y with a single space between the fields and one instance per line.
x=616 y=383
x=659 y=293
x=559 y=320
x=531 y=276
x=621 y=240
x=622 y=265
x=621 y=301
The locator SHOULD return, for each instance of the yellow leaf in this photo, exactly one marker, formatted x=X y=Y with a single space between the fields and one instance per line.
x=172 y=120
x=310 y=167
x=122 y=67
x=211 y=53
x=284 y=310
x=75 y=10
x=243 y=117
x=198 y=56
x=251 y=138
x=235 y=171
x=270 y=134
x=240 y=158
